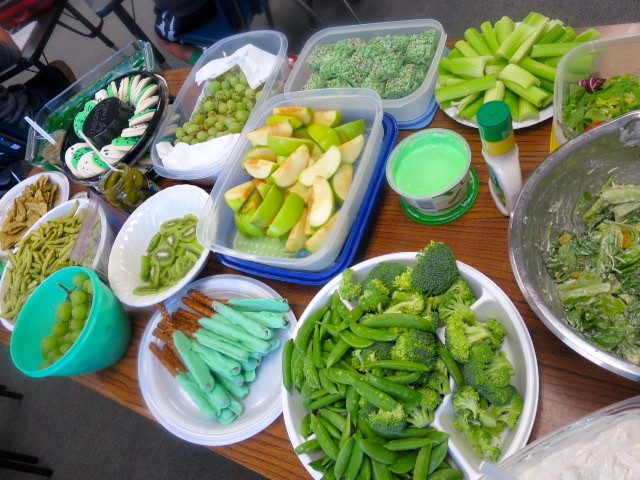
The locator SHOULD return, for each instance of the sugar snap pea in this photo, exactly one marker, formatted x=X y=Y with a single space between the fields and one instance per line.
x=422 y=463
x=353 y=400
x=376 y=451
x=305 y=426
x=404 y=378
x=308 y=447
x=328 y=344
x=354 y=340
x=287 y=356
x=341 y=376
x=375 y=396
x=403 y=320
x=397 y=391
x=343 y=311
x=365 y=470
x=347 y=431
x=342 y=462
x=452 y=366
x=375 y=334
x=446 y=474
x=380 y=470
x=404 y=463
x=331 y=430
x=316 y=348
x=297 y=368
x=324 y=401
x=326 y=382
x=338 y=351
x=310 y=370
x=318 y=465
x=355 y=462
x=437 y=456
x=334 y=418
x=306 y=329
x=328 y=475
x=402 y=365
x=325 y=440
x=408 y=444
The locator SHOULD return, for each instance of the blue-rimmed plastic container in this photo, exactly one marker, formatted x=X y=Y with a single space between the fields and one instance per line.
x=345 y=258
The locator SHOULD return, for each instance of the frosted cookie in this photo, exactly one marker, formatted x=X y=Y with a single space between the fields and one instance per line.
x=142 y=117
x=90 y=165
x=145 y=93
x=136 y=131
x=112 y=89
x=78 y=122
x=101 y=95
x=73 y=154
x=141 y=85
x=133 y=84
x=124 y=144
x=147 y=103
x=123 y=90
x=90 y=105
x=111 y=154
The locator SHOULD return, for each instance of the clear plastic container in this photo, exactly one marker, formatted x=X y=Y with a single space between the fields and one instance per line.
x=604 y=58
x=185 y=103
x=216 y=229
x=403 y=109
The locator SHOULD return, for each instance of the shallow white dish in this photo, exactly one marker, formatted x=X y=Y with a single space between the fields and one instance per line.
x=176 y=411
x=492 y=301
x=6 y=202
x=136 y=233
x=545 y=113
x=57 y=212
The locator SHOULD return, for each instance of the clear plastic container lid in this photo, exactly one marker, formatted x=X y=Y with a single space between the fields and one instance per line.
x=403 y=109
x=186 y=101
x=217 y=230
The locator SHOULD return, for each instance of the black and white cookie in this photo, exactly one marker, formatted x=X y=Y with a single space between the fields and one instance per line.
x=143 y=117
x=147 y=103
x=135 y=131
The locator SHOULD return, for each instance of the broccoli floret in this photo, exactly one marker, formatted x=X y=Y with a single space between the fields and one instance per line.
x=375 y=297
x=388 y=422
x=421 y=413
x=507 y=415
x=403 y=281
x=466 y=402
x=461 y=291
x=451 y=308
x=365 y=409
x=373 y=353
x=386 y=272
x=489 y=373
x=438 y=379
x=435 y=270
x=415 y=346
x=348 y=289
x=406 y=302
x=480 y=438
x=460 y=335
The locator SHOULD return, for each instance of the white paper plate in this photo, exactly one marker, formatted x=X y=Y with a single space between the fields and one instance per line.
x=136 y=233
x=6 y=202
x=57 y=212
x=545 y=113
x=173 y=408
x=492 y=302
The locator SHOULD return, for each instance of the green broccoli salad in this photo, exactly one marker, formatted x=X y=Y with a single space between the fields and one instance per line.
x=597 y=270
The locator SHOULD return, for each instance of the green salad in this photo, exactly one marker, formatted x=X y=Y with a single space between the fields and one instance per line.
x=597 y=270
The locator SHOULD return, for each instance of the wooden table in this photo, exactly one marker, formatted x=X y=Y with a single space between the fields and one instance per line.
x=570 y=386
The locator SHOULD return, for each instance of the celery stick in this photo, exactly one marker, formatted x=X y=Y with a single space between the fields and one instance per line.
x=538 y=69
x=455 y=53
x=526 y=110
x=476 y=41
x=452 y=80
x=466 y=101
x=445 y=64
x=587 y=35
x=547 y=101
x=551 y=61
x=569 y=35
x=534 y=19
x=503 y=28
x=551 y=49
x=552 y=34
x=511 y=99
x=466 y=49
x=495 y=93
x=490 y=38
x=546 y=84
x=465 y=88
x=514 y=40
x=519 y=75
x=472 y=109
x=493 y=69
x=526 y=45
x=533 y=94
x=472 y=67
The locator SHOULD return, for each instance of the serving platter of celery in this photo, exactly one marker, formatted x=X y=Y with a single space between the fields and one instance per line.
x=508 y=61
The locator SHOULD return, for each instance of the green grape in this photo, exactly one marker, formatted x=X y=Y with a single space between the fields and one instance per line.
x=78 y=297
x=53 y=355
x=194 y=141
x=222 y=108
x=198 y=118
x=88 y=288
x=222 y=134
x=235 y=128
x=202 y=136
x=233 y=80
x=221 y=96
x=45 y=364
x=63 y=312
x=79 y=279
x=220 y=125
x=229 y=120
x=210 y=122
x=64 y=348
x=231 y=105
x=75 y=324
x=59 y=329
x=228 y=92
x=47 y=344
x=179 y=133
x=75 y=334
x=191 y=129
x=208 y=106
x=213 y=131
x=242 y=115
x=249 y=104
x=212 y=114
x=214 y=86
x=225 y=84
x=239 y=88
x=187 y=138
x=250 y=93
x=80 y=311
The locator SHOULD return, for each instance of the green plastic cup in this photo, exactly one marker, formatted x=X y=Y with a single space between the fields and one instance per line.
x=103 y=340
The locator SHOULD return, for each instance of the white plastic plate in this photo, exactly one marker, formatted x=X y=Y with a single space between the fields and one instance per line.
x=545 y=113
x=136 y=233
x=173 y=408
x=492 y=302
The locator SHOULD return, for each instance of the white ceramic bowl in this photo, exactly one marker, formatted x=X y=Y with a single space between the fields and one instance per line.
x=57 y=212
x=6 y=202
x=134 y=236
x=492 y=302
x=173 y=408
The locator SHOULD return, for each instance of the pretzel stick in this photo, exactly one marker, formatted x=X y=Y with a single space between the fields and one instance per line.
x=173 y=358
x=164 y=312
x=198 y=307
x=189 y=316
x=190 y=320
x=164 y=336
x=201 y=297
x=163 y=358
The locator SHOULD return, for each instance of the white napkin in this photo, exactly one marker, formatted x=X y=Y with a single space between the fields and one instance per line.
x=211 y=154
x=254 y=62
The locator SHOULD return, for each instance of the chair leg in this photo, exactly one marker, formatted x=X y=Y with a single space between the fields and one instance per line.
x=25 y=467
x=348 y=6
x=267 y=12
x=94 y=31
x=8 y=394
x=137 y=32
x=18 y=457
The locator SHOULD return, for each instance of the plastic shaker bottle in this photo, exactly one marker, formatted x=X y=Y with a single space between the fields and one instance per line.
x=501 y=154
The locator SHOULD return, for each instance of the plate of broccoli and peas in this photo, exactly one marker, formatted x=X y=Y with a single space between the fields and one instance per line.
x=409 y=365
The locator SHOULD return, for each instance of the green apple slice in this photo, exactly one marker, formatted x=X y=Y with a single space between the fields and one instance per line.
x=284 y=145
x=236 y=196
x=316 y=152
x=323 y=203
x=261 y=135
x=287 y=216
x=341 y=181
x=327 y=117
x=297 y=237
x=252 y=230
x=316 y=241
x=287 y=173
x=300 y=190
x=351 y=150
x=294 y=121
x=252 y=203
x=239 y=225
x=303 y=113
x=301 y=132
x=260 y=152
x=259 y=167
x=324 y=135
x=262 y=186
x=325 y=166
x=268 y=209
x=349 y=131
x=246 y=213
x=308 y=231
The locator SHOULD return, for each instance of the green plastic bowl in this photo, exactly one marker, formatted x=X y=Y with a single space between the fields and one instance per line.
x=103 y=340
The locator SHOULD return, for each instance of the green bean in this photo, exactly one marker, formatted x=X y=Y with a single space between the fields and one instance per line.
x=378 y=452
x=402 y=365
x=405 y=378
x=326 y=382
x=324 y=401
x=338 y=351
x=365 y=470
x=342 y=462
x=327 y=444
x=306 y=329
x=305 y=426
x=316 y=348
x=405 y=463
x=375 y=396
x=380 y=470
x=355 y=341
x=408 y=443
x=402 y=320
x=334 y=418
x=287 y=355
x=310 y=370
x=308 y=447
x=422 y=463
x=437 y=456
x=331 y=430
x=446 y=474
x=397 y=391
x=357 y=456
x=452 y=366
x=353 y=400
x=373 y=333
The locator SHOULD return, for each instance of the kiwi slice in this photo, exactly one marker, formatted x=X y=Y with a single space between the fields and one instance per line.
x=191 y=247
x=190 y=218
x=145 y=267
x=191 y=256
x=148 y=290
x=164 y=255
x=188 y=234
x=154 y=275
x=171 y=239
x=169 y=226
x=154 y=242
